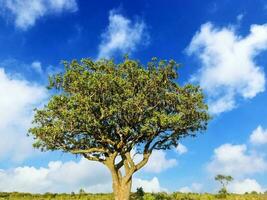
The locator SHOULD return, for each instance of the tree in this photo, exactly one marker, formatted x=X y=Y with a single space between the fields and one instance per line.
x=103 y=111
x=82 y=191
x=224 y=180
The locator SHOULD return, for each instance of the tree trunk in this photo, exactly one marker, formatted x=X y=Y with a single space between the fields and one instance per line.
x=122 y=188
x=122 y=184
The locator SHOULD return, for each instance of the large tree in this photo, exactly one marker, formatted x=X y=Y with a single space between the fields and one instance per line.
x=104 y=111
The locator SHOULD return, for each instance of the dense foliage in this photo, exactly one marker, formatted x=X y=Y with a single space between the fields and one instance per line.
x=100 y=108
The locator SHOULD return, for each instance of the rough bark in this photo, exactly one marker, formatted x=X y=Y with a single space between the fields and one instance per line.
x=122 y=189
x=122 y=184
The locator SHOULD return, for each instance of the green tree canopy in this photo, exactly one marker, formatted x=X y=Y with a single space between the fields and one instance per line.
x=103 y=110
x=224 y=180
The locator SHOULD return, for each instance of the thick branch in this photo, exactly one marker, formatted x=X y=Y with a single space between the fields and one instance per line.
x=128 y=163
x=136 y=167
x=119 y=164
x=144 y=161
x=110 y=163
x=93 y=158
x=129 y=159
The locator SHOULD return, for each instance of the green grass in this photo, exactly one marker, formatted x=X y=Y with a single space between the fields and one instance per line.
x=148 y=196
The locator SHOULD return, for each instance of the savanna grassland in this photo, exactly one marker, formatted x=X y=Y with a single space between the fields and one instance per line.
x=147 y=196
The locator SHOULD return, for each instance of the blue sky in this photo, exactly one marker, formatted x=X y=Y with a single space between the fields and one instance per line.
x=222 y=46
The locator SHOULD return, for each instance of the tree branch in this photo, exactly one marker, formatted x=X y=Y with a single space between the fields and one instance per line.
x=91 y=150
x=93 y=158
x=119 y=164
x=142 y=163
x=129 y=159
x=162 y=141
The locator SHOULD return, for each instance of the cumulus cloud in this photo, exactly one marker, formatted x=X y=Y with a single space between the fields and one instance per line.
x=258 y=136
x=236 y=160
x=122 y=36
x=67 y=176
x=242 y=162
x=81 y=174
x=181 y=149
x=246 y=185
x=152 y=185
x=18 y=98
x=27 y=12
x=228 y=68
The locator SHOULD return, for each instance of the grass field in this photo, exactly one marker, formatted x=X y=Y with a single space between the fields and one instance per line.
x=148 y=196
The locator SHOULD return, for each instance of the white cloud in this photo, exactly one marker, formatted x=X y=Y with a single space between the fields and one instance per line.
x=235 y=160
x=258 y=136
x=57 y=177
x=157 y=162
x=246 y=185
x=152 y=185
x=229 y=70
x=27 y=12
x=66 y=177
x=121 y=36
x=37 y=66
x=18 y=98
x=60 y=5
x=181 y=149
x=195 y=187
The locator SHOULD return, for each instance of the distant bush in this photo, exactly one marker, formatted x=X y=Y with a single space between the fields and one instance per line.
x=139 y=194
x=81 y=191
